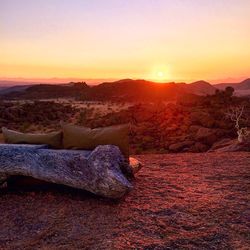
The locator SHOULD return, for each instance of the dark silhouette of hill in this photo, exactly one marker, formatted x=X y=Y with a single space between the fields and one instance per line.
x=244 y=85
x=241 y=88
x=45 y=91
x=16 y=88
x=132 y=90
x=122 y=90
x=200 y=88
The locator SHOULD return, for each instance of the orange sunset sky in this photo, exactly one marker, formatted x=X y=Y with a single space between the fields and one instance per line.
x=162 y=40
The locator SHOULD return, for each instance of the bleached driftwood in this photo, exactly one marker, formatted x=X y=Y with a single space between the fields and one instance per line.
x=237 y=115
x=99 y=171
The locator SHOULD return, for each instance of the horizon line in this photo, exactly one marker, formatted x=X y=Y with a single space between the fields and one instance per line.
x=63 y=80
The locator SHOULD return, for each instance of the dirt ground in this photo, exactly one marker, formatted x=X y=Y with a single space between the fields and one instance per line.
x=181 y=201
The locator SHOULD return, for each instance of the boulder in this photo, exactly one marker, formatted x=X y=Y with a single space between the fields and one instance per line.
x=101 y=171
x=200 y=147
x=135 y=165
x=222 y=143
x=194 y=128
x=179 y=146
x=202 y=118
x=208 y=135
x=230 y=145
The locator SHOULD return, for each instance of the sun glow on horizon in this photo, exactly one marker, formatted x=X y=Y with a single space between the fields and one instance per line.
x=160 y=73
x=162 y=40
x=160 y=77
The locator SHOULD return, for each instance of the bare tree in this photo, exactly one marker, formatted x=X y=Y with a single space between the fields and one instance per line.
x=236 y=114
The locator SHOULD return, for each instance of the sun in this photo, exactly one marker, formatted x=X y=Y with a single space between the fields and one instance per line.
x=160 y=74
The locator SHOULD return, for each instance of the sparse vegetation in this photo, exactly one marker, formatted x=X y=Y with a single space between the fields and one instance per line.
x=238 y=116
x=188 y=125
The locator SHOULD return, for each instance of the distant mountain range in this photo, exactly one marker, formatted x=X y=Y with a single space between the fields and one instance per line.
x=122 y=90
x=241 y=88
x=18 y=88
x=244 y=85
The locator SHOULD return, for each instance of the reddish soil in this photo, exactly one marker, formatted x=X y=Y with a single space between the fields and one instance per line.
x=182 y=201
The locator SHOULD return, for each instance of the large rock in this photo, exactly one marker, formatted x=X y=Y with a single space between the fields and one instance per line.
x=179 y=146
x=199 y=147
x=194 y=128
x=100 y=171
x=223 y=143
x=208 y=135
x=202 y=118
x=229 y=145
x=135 y=165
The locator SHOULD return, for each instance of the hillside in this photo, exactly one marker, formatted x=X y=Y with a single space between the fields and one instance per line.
x=188 y=125
x=241 y=88
x=184 y=201
x=17 y=88
x=132 y=90
x=123 y=90
x=200 y=88
x=44 y=91
x=244 y=85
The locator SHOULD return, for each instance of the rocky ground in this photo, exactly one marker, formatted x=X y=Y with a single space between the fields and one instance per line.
x=154 y=127
x=179 y=201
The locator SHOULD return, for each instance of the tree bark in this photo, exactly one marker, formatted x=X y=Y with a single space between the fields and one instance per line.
x=99 y=171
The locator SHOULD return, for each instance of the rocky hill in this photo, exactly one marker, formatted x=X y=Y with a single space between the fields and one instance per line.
x=200 y=88
x=44 y=91
x=179 y=201
x=123 y=90
x=244 y=85
x=241 y=88
x=192 y=124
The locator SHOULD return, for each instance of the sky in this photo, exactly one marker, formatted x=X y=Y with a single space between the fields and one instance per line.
x=161 y=40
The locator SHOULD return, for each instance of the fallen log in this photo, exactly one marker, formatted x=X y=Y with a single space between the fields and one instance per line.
x=100 y=171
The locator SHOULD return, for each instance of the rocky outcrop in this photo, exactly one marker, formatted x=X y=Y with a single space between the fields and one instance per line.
x=179 y=146
x=229 y=145
x=101 y=171
x=208 y=136
x=199 y=147
x=203 y=119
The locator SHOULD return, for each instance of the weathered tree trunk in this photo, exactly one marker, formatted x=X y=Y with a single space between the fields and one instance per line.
x=99 y=171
